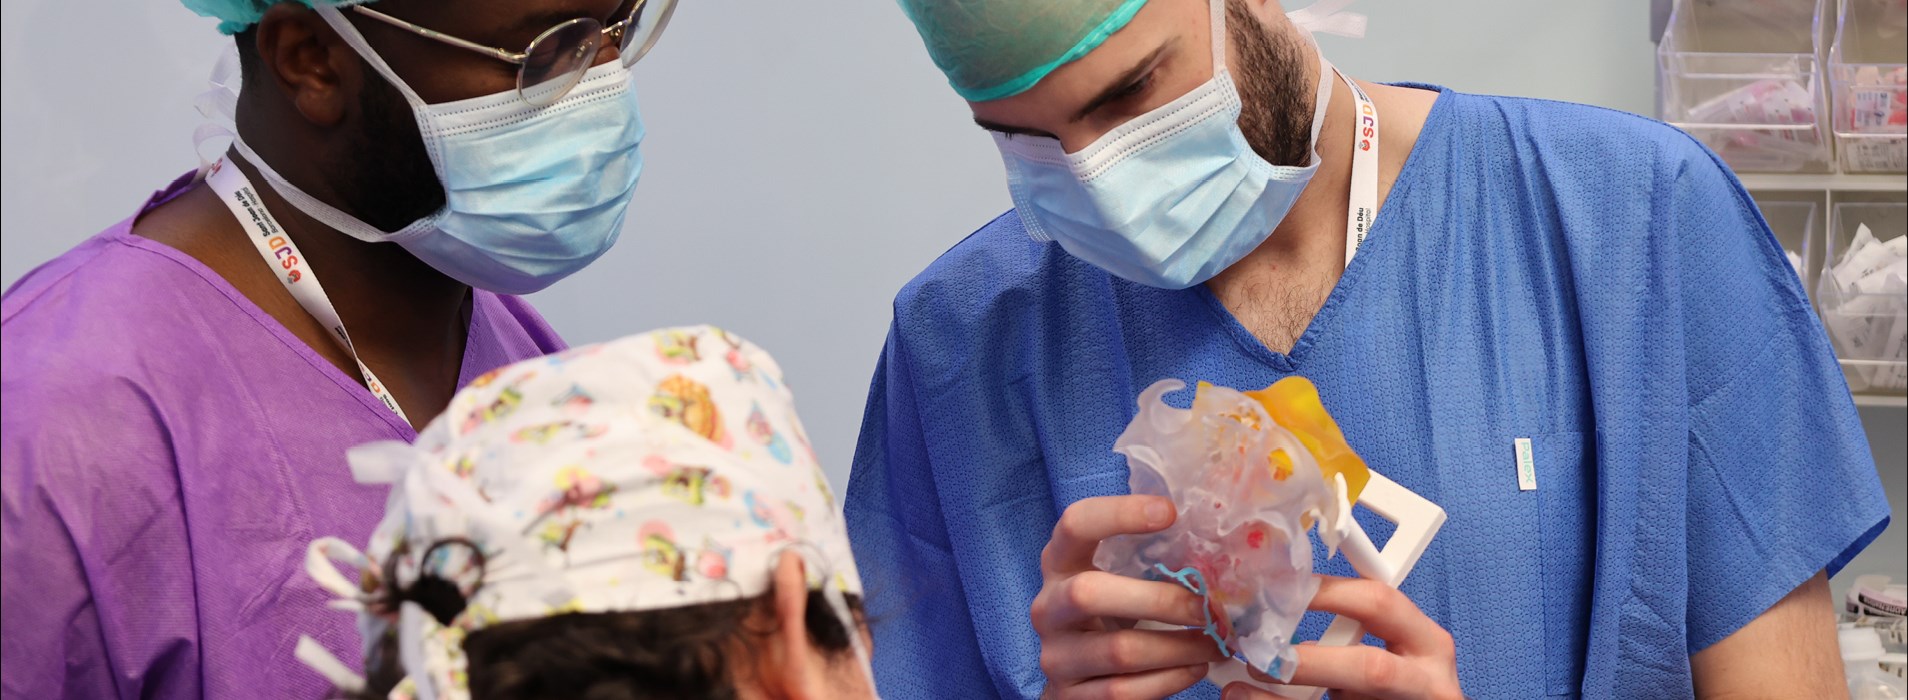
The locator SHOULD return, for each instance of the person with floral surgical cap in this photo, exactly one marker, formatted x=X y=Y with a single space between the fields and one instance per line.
x=586 y=541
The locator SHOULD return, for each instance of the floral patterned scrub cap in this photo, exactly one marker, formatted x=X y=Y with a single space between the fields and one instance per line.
x=658 y=471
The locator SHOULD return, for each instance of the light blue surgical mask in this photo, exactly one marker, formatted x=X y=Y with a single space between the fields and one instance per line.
x=531 y=194
x=1168 y=199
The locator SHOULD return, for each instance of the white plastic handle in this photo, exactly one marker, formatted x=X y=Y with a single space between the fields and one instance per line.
x=1418 y=519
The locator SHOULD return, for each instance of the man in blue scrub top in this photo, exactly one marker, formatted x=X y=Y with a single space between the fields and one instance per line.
x=1455 y=272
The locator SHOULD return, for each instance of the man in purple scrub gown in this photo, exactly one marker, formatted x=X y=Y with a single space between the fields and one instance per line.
x=178 y=394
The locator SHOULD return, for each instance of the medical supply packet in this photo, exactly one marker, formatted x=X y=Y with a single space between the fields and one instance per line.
x=1775 y=102
x=1876 y=105
x=1864 y=298
x=1250 y=473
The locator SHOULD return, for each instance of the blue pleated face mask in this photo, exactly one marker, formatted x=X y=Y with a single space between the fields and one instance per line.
x=532 y=194
x=1168 y=199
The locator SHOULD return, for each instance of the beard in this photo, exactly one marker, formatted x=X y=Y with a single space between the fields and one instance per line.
x=1274 y=91
x=389 y=181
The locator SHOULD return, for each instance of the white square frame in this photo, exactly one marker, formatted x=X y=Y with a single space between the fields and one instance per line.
x=1418 y=520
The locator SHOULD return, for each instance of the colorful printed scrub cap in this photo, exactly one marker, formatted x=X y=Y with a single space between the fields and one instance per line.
x=658 y=471
x=235 y=15
x=993 y=49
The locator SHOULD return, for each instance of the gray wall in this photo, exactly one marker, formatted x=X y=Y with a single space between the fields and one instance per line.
x=802 y=164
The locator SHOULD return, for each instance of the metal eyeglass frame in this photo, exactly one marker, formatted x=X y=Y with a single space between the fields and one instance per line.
x=614 y=34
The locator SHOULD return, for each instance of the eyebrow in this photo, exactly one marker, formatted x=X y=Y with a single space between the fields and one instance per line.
x=1009 y=128
x=1111 y=93
x=1126 y=80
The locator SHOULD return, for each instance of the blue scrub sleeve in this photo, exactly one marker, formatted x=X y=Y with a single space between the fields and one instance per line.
x=925 y=646
x=1781 y=482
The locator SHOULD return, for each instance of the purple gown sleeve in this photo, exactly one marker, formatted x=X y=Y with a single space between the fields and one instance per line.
x=97 y=576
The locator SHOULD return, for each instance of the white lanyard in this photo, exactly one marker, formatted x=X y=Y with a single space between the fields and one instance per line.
x=1364 y=174
x=290 y=267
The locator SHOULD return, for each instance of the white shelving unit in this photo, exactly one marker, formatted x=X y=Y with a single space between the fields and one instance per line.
x=1836 y=182
x=1878 y=401
x=1827 y=190
x=1762 y=84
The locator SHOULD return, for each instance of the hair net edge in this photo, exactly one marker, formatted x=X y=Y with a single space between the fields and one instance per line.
x=1114 y=22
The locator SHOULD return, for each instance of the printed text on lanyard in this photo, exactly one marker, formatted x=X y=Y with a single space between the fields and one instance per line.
x=1364 y=174
x=290 y=267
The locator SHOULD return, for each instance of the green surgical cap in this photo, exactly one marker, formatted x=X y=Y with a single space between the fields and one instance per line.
x=235 y=15
x=992 y=49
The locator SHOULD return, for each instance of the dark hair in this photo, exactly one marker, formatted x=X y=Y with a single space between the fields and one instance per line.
x=662 y=654
x=676 y=653
x=1271 y=78
x=247 y=41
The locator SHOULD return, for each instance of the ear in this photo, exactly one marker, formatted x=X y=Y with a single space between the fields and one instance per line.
x=803 y=668
x=307 y=61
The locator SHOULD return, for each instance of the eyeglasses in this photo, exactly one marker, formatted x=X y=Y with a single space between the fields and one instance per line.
x=557 y=59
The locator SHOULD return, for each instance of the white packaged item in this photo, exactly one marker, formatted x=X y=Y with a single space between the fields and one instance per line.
x=1866 y=256
x=1861 y=663
x=1875 y=595
x=1864 y=298
x=1770 y=102
x=1876 y=103
x=1895 y=664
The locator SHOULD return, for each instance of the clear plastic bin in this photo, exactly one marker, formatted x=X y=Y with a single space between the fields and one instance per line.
x=1743 y=77
x=1866 y=322
x=1868 y=73
x=1793 y=221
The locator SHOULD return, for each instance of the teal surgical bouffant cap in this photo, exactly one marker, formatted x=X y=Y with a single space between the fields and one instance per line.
x=235 y=15
x=992 y=49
